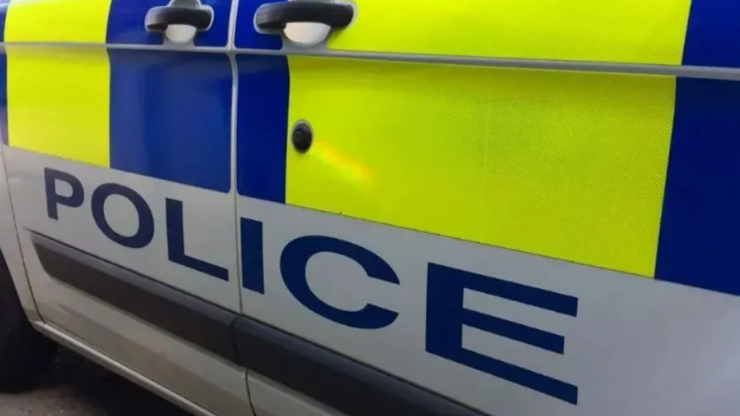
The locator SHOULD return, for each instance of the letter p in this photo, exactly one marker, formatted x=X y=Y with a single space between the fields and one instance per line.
x=73 y=199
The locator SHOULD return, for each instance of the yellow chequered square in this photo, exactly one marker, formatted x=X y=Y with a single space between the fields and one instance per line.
x=569 y=165
x=626 y=31
x=80 y=21
x=59 y=102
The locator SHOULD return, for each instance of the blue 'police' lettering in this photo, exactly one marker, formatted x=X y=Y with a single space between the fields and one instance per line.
x=176 y=243
x=293 y=262
x=253 y=269
x=446 y=317
x=144 y=233
x=54 y=199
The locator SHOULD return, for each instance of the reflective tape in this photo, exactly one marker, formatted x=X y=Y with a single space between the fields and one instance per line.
x=569 y=165
x=58 y=98
x=563 y=164
x=624 y=31
x=162 y=115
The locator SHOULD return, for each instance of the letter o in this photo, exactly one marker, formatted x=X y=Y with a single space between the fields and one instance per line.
x=145 y=232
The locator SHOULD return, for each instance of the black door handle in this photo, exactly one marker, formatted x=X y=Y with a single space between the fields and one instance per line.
x=274 y=16
x=158 y=18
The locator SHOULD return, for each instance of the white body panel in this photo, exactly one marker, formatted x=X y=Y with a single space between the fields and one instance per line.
x=183 y=368
x=272 y=399
x=11 y=249
x=636 y=347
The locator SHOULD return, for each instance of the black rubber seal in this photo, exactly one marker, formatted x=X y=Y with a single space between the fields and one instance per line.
x=194 y=320
x=324 y=375
x=333 y=379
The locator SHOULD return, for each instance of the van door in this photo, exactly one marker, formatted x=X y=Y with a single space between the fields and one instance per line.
x=462 y=207
x=118 y=150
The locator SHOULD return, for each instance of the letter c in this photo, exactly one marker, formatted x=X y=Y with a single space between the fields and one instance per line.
x=293 y=262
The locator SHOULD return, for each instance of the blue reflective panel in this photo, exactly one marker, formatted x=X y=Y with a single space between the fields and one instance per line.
x=171 y=116
x=700 y=226
x=262 y=126
x=713 y=34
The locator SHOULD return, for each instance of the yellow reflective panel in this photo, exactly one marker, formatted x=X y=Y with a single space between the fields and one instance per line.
x=83 y=21
x=59 y=97
x=563 y=164
x=627 y=31
x=58 y=102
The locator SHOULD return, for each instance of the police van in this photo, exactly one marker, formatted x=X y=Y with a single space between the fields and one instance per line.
x=377 y=207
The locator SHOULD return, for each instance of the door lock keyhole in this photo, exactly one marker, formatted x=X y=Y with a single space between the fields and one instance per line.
x=302 y=136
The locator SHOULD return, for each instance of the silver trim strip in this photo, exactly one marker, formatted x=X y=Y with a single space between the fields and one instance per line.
x=232 y=25
x=163 y=47
x=687 y=71
x=63 y=338
x=642 y=69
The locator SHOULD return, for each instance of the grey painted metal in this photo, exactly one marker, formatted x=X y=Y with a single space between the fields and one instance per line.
x=232 y=25
x=186 y=316
x=202 y=377
x=643 y=69
x=329 y=377
x=636 y=347
x=273 y=399
x=309 y=369
x=11 y=249
x=93 y=354
x=234 y=115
